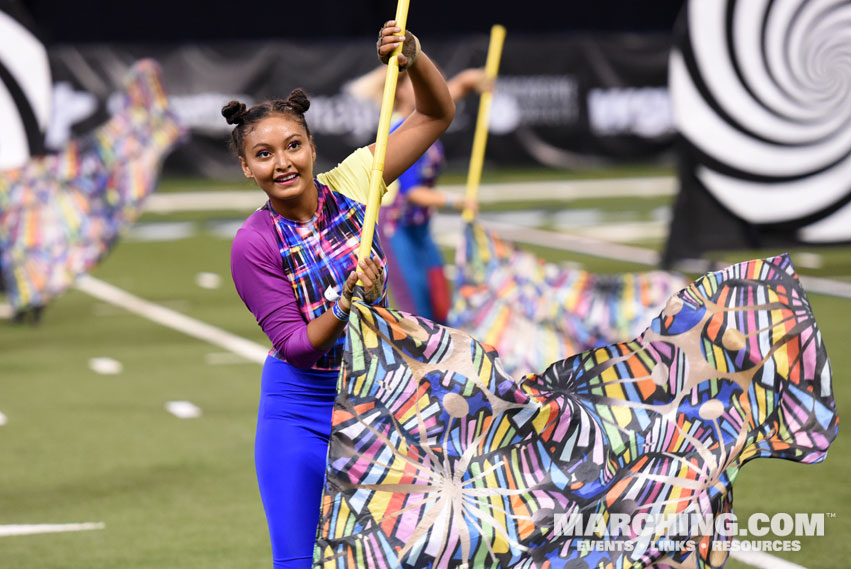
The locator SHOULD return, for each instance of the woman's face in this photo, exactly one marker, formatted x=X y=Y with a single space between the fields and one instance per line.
x=279 y=156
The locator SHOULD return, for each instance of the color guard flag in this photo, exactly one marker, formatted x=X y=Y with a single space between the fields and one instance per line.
x=61 y=213
x=535 y=313
x=438 y=458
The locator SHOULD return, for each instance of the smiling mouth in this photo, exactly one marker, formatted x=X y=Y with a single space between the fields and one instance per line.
x=286 y=179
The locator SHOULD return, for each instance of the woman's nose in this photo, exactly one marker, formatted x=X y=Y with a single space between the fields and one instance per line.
x=281 y=161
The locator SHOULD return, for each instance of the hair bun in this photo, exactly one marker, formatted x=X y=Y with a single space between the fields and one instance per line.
x=298 y=101
x=234 y=112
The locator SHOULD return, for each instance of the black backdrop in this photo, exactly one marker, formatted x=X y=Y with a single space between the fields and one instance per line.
x=193 y=20
x=580 y=82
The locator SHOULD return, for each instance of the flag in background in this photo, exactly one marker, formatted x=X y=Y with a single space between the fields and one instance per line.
x=535 y=313
x=61 y=213
x=438 y=458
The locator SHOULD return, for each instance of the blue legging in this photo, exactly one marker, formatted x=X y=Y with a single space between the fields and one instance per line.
x=290 y=452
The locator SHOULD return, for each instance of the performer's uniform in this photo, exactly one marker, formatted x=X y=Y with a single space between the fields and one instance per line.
x=288 y=273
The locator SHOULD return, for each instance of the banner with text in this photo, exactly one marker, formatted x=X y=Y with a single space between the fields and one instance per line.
x=561 y=101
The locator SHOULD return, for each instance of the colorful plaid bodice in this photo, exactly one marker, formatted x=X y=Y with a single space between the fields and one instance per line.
x=319 y=254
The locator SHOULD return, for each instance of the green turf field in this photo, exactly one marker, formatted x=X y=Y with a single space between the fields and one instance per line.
x=79 y=446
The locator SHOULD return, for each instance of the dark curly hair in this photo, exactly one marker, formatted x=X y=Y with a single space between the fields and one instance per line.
x=243 y=118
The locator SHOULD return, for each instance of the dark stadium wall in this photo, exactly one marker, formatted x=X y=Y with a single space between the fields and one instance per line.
x=581 y=83
x=187 y=20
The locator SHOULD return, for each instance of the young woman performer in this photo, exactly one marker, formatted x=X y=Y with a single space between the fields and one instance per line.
x=293 y=264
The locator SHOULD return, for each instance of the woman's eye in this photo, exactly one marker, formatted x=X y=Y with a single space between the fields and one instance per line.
x=263 y=154
x=295 y=144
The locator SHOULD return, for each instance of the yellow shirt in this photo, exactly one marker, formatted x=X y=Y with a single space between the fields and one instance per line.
x=351 y=176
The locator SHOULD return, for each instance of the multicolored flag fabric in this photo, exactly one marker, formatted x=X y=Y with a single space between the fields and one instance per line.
x=439 y=459
x=61 y=213
x=535 y=313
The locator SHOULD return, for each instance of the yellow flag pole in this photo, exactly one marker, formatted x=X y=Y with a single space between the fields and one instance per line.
x=480 y=138
x=374 y=198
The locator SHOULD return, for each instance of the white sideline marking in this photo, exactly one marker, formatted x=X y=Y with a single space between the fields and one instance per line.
x=621 y=232
x=763 y=560
x=198 y=201
x=566 y=190
x=3 y=419
x=30 y=529
x=161 y=315
x=562 y=190
x=579 y=244
x=826 y=286
x=183 y=409
x=448 y=228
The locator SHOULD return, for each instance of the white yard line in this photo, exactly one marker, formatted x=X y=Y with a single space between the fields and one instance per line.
x=30 y=529
x=172 y=319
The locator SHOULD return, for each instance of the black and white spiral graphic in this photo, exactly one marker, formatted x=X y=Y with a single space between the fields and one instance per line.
x=25 y=90
x=761 y=90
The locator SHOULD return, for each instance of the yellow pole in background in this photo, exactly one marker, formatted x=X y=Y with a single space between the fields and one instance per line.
x=374 y=198
x=480 y=138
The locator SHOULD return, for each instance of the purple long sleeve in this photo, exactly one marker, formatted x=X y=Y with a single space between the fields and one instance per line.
x=256 y=268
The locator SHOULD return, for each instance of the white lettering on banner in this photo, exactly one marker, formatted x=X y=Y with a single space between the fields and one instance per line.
x=640 y=111
x=519 y=101
x=343 y=115
x=546 y=101
x=536 y=100
x=328 y=115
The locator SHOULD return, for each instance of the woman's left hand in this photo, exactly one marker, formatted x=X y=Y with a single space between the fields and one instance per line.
x=388 y=40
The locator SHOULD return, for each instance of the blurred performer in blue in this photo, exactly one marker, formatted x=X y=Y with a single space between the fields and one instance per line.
x=417 y=284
